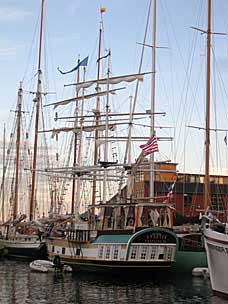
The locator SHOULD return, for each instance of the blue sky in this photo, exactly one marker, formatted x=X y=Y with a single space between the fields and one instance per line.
x=71 y=28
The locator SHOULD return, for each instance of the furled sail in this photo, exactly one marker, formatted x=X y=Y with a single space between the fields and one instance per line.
x=66 y=101
x=111 y=80
x=83 y=129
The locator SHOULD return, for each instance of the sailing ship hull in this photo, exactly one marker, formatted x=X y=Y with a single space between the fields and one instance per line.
x=190 y=253
x=186 y=261
x=28 y=250
x=152 y=249
x=93 y=265
x=216 y=244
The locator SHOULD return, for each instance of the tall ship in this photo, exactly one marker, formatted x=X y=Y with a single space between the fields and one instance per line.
x=21 y=233
x=116 y=232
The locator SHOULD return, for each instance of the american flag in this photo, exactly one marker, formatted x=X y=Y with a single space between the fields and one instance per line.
x=151 y=146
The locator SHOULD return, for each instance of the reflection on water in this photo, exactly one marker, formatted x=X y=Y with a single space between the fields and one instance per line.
x=18 y=285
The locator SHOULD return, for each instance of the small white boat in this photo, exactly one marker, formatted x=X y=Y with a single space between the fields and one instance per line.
x=200 y=272
x=42 y=266
x=48 y=266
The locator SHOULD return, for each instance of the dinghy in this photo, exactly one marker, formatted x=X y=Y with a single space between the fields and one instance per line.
x=48 y=266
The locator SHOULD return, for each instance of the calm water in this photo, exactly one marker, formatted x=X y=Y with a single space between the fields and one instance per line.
x=18 y=285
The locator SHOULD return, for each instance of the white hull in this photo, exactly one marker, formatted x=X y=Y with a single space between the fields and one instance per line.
x=45 y=266
x=20 y=244
x=42 y=266
x=216 y=244
x=26 y=247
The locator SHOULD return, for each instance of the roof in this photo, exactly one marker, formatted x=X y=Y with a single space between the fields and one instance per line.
x=113 y=239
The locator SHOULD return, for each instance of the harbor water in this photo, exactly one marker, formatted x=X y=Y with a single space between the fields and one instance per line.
x=19 y=285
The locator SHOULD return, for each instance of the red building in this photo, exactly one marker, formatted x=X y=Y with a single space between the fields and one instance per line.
x=184 y=190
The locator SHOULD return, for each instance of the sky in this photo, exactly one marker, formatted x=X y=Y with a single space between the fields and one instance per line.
x=71 y=28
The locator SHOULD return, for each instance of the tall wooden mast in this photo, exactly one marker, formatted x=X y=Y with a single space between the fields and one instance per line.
x=153 y=97
x=75 y=145
x=38 y=103
x=207 y=129
x=18 y=142
x=97 y=117
x=106 y=131
x=3 y=174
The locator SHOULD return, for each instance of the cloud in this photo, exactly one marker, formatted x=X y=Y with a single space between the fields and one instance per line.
x=12 y=14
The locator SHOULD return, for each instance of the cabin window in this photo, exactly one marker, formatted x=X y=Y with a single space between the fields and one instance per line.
x=108 y=250
x=101 y=251
x=153 y=252
x=201 y=179
x=169 y=252
x=187 y=199
x=115 y=253
x=134 y=252
x=63 y=250
x=161 y=256
x=143 y=252
x=192 y=179
x=53 y=249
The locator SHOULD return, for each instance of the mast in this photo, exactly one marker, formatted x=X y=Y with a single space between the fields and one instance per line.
x=3 y=174
x=106 y=132
x=153 y=99
x=207 y=129
x=38 y=102
x=133 y=109
x=75 y=144
x=18 y=142
x=80 y=149
x=97 y=116
x=130 y=129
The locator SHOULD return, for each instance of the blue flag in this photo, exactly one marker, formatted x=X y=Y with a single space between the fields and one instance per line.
x=84 y=62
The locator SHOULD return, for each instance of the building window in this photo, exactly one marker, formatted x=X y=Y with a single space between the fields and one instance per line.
x=217 y=202
x=63 y=250
x=115 y=253
x=140 y=193
x=187 y=199
x=139 y=177
x=101 y=251
x=108 y=250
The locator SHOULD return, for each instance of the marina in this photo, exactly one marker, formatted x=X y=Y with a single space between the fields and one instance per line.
x=21 y=285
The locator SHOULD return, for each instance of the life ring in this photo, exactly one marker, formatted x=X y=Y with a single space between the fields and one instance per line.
x=130 y=221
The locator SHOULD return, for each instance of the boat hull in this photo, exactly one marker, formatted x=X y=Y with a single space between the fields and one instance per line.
x=24 y=250
x=187 y=260
x=190 y=254
x=113 y=266
x=216 y=244
x=146 y=250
